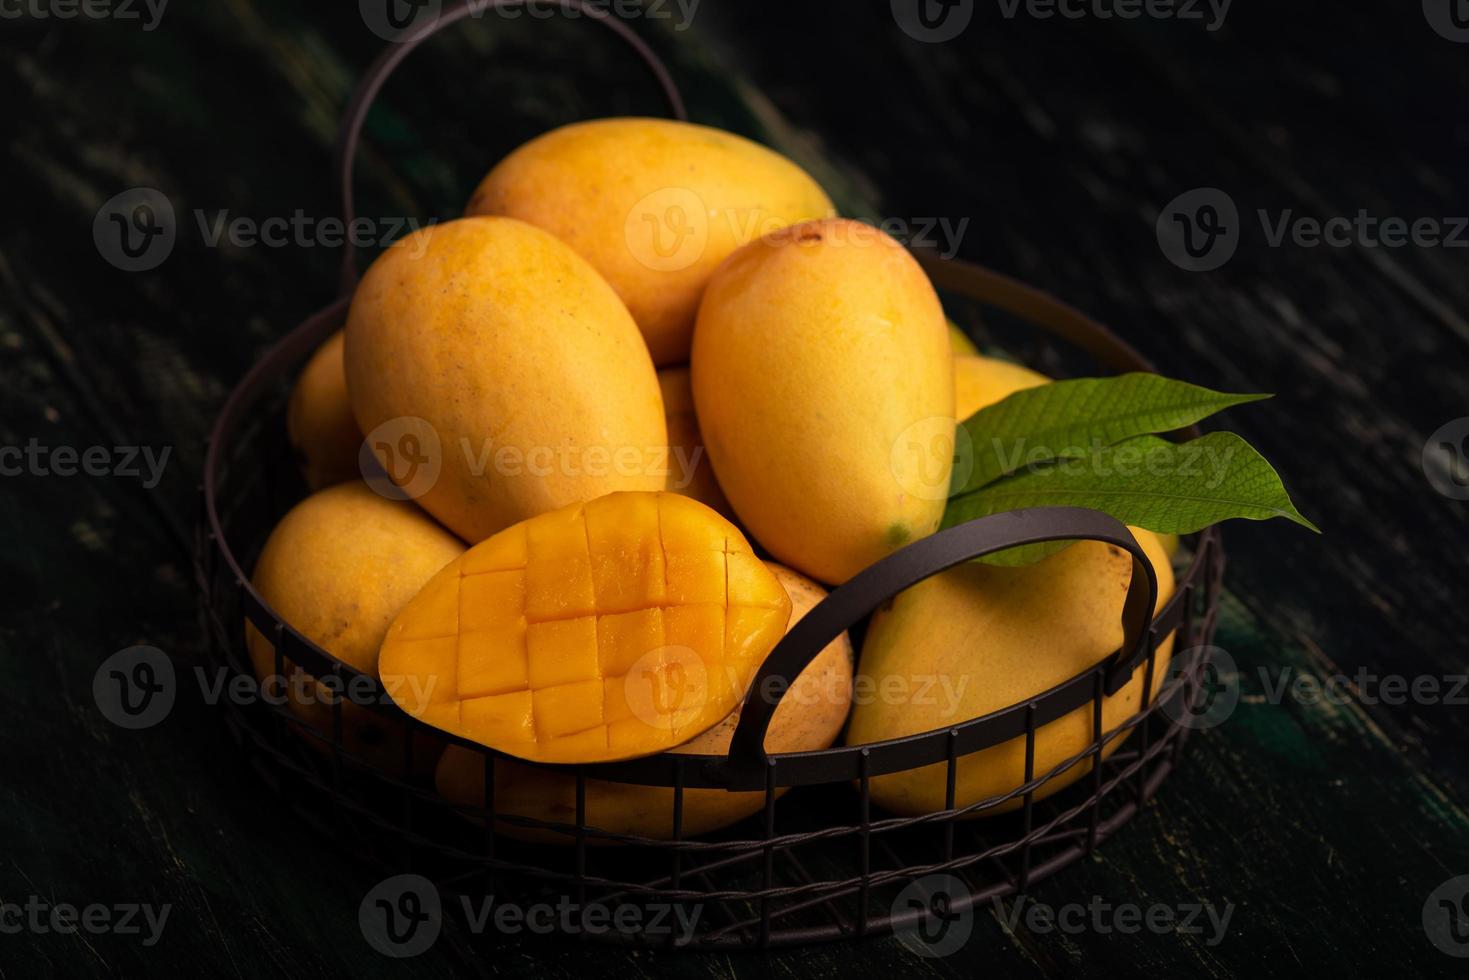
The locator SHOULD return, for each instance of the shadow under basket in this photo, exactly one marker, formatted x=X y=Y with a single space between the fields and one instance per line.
x=818 y=863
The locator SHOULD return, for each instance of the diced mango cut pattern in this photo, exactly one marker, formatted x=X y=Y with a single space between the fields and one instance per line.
x=601 y=631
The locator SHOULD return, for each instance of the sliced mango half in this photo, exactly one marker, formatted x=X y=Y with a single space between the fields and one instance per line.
x=601 y=631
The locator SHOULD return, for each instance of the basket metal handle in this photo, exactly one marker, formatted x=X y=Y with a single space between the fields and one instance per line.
x=867 y=590
x=349 y=133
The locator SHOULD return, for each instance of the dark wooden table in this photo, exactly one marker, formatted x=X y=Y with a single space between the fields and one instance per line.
x=1325 y=822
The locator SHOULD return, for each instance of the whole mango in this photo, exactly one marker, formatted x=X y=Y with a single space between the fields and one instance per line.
x=338 y=567
x=319 y=422
x=654 y=205
x=498 y=377
x=979 y=638
x=824 y=385
x=960 y=342
x=981 y=381
x=689 y=470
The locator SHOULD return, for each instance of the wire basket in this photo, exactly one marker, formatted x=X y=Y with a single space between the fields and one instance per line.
x=822 y=864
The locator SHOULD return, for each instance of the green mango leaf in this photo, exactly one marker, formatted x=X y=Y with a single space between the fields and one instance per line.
x=1168 y=487
x=1070 y=419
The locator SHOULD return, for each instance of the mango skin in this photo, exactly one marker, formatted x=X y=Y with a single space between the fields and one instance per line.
x=689 y=470
x=809 y=717
x=824 y=385
x=960 y=342
x=980 y=638
x=338 y=568
x=980 y=382
x=655 y=205
x=319 y=422
x=529 y=372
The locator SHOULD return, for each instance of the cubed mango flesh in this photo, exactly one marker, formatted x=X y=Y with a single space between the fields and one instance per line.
x=600 y=631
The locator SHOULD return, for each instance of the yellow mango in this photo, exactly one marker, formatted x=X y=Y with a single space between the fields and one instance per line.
x=978 y=638
x=600 y=631
x=655 y=205
x=959 y=341
x=319 y=423
x=689 y=470
x=980 y=382
x=338 y=567
x=809 y=717
x=498 y=377
x=824 y=385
